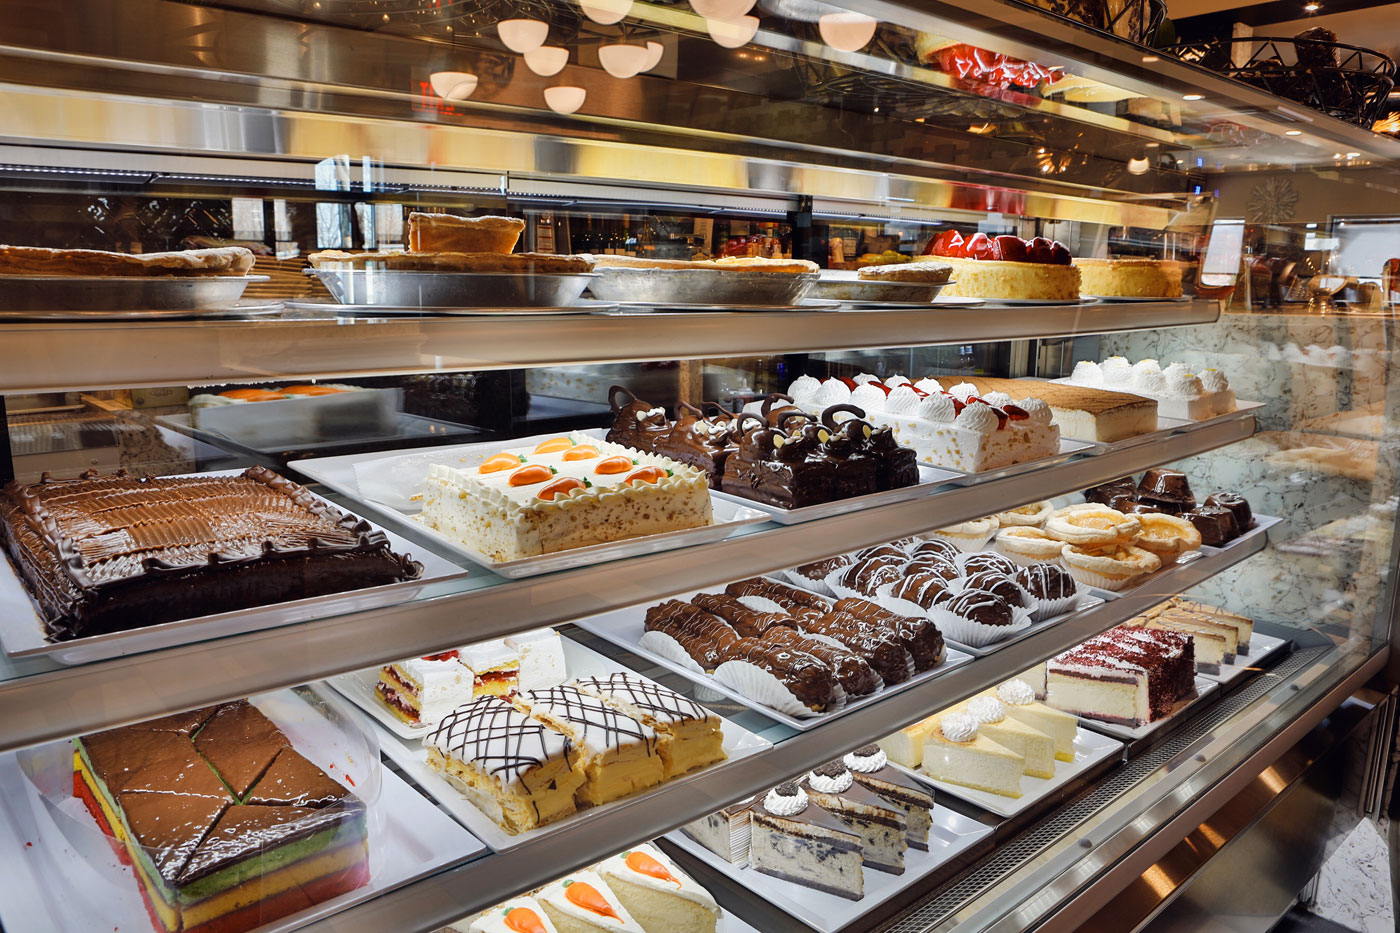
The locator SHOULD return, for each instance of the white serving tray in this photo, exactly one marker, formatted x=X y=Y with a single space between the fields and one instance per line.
x=929 y=476
x=1261 y=647
x=580 y=661
x=1129 y=299
x=1204 y=687
x=1166 y=427
x=1088 y=599
x=1262 y=523
x=951 y=835
x=339 y=474
x=1090 y=748
x=22 y=630
x=53 y=885
x=625 y=627
x=1068 y=448
x=358 y=688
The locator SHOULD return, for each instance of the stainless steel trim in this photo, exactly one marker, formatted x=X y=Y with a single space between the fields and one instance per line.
x=56 y=703
x=78 y=356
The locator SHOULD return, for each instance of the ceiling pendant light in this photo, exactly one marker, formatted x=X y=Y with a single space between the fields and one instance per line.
x=453 y=85
x=522 y=35
x=733 y=33
x=547 y=60
x=1138 y=166
x=622 y=60
x=722 y=9
x=654 y=52
x=605 y=12
x=564 y=99
x=847 y=32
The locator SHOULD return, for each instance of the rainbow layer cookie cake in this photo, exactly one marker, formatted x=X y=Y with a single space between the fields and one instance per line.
x=564 y=493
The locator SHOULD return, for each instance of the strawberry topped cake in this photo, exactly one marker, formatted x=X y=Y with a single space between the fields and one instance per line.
x=957 y=428
x=1005 y=267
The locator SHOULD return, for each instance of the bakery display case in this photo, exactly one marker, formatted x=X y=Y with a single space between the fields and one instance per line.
x=682 y=466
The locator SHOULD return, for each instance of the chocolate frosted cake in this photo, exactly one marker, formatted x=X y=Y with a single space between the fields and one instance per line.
x=104 y=554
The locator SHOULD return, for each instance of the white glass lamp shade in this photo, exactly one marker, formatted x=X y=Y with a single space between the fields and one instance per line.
x=605 y=12
x=547 y=60
x=453 y=85
x=522 y=35
x=654 y=51
x=847 y=32
x=722 y=9
x=564 y=99
x=623 y=61
x=1137 y=166
x=733 y=33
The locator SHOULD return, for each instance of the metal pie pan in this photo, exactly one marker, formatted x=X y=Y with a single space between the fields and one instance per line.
x=122 y=292
x=710 y=286
x=408 y=289
x=869 y=291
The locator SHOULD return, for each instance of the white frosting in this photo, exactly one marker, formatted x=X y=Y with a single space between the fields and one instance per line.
x=1175 y=369
x=779 y=805
x=1213 y=380
x=1087 y=373
x=902 y=400
x=828 y=784
x=868 y=397
x=997 y=399
x=958 y=727
x=897 y=381
x=1116 y=371
x=938 y=408
x=986 y=709
x=929 y=384
x=1016 y=693
x=963 y=391
x=1146 y=366
x=1039 y=412
x=804 y=388
x=1151 y=381
x=651 y=413
x=979 y=418
x=832 y=392
x=1186 y=385
x=863 y=378
x=684 y=886
x=866 y=764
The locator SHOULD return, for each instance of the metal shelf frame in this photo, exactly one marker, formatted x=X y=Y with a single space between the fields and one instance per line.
x=74 y=356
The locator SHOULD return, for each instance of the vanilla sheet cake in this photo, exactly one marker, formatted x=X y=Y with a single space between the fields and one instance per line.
x=564 y=493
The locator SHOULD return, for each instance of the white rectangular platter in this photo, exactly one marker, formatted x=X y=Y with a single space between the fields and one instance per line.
x=1262 y=523
x=929 y=477
x=625 y=627
x=22 y=630
x=580 y=661
x=358 y=688
x=1204 y=687
x=951 y=835
x=1090 y=748
x=1068 y=448
x=1166 y=427
x=57 y=880
x=390 y=477
x=1261 y=647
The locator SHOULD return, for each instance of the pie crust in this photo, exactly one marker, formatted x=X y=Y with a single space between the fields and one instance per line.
x=923 y=273
x=1091 y=525
x=1033 y=514
x=729 y=264
x=1027 y=544
x=1167 y=535
x=35 y=260
x=447 y=233
x=534 y=263
x=1116 y=565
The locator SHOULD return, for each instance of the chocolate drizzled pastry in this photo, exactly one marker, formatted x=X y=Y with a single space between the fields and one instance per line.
x=935 y=547
x=981 y=607
x=876 y=645
x=919 y=637
x=920 y=588
x=856 y=677
x=819 y=569
x=938 y=566
x=789 y=597
x=1046 y=581
x=810 y=679
x=880 y=550
x=749 y=623
x=1000 y=585
x=869 y=575
x=988 y=560
x=1237 y=504
x=111 y=553
x=1216 y=525
x=704 y=637
x=1168 y=489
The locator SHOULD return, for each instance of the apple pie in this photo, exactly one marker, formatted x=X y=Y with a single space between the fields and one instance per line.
x=35 y=260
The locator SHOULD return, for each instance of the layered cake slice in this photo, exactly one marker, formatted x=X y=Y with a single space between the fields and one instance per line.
x=583 y=903
x=541 y=654
x=615 y=754
x=658 y=894
x=1242 y=624
x=794 y=839
x=240 y=743
x=1131 y=676
x=688 y=736
x=1215 y=643
x=955 y=751
x=515 y=769
x=1178 y=391
x=517 y=915
x=881 y=826
x=1102 y=413
x=1018 y=701
x=724 y=832
x=564 y=493
x=494 y=667
x=870 y=768
x=1037 y=748
x=420 y=691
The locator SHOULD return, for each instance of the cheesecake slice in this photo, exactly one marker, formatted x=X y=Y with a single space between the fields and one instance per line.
x=871 y=769
x=1215 y=643
x=794 y=839
x=1037 y=748
x=906 y=747
x=724 y=832
x=955 y=751
x=1243 y=625
x=1018 y=700
x=880 y=825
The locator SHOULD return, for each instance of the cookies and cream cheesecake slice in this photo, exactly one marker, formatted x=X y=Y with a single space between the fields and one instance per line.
x=871 y=769
x=955 y=751
x=688 y=736
x=582 y=902
x=881 y=826
x=615 y=754
x=793 y=838
x=724 y=832
x=658 y=894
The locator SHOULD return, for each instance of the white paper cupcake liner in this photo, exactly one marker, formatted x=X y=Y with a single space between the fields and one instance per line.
x=966 y=544
x=1099 y=581
x=758 y=685
x=1028 y=601
x=1049 y=608
x=904 y=607
x=664 y=646
x=975 y=634
x=812 y=584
